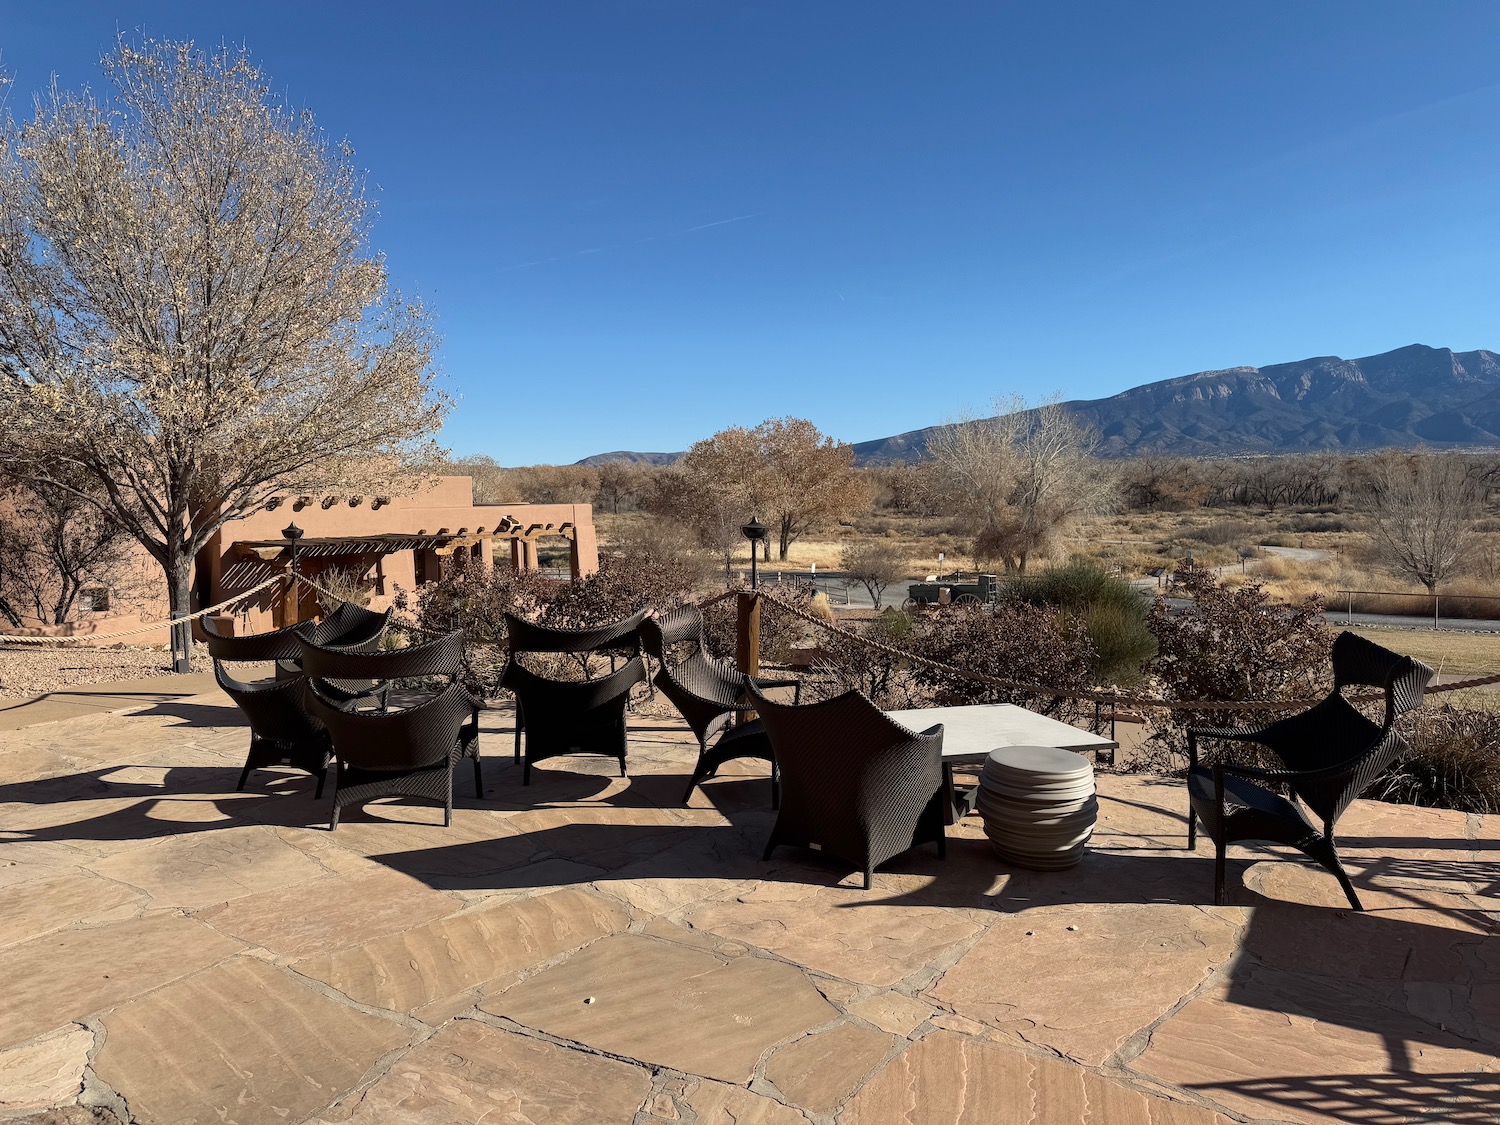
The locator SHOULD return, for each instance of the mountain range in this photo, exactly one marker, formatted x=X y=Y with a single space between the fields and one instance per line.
x=1414 y=395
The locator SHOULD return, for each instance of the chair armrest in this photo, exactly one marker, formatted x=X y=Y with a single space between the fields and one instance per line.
x=1230 y=734
x=761 y=685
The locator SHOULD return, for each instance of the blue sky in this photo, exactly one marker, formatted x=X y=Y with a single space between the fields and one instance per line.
x=641 y=222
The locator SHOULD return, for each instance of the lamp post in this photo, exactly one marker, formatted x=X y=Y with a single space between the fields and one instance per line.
x=754 y=531
x=293 y=535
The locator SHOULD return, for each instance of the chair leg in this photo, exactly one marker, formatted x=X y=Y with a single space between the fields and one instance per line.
x=244 y=777
x=322 y=777
x=1219 y=847
x=478 y=778
x=869 y=878
x=622 y=765
x=770 y=847
x=518 y=740
x=775 y=786
x=333 y=821
x=448 y=804
x=526 y=772
x=1192 y=828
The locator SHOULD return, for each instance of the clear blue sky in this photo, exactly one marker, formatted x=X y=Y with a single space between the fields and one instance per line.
x=643 y=221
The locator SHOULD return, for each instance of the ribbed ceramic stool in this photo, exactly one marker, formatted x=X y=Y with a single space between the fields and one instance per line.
x=1038 y=805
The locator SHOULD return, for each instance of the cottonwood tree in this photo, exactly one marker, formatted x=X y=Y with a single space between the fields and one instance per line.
x=190 y=312
x=1019 y=478
x=714 y=488
x=1422 y=511
x=809 y=478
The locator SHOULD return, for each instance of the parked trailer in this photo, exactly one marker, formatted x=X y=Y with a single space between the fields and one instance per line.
x=983 y=590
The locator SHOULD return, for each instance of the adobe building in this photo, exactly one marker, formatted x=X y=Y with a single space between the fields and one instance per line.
x=387 y=542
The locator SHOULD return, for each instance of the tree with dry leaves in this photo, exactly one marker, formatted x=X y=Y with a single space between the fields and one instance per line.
x=809 y=478
x=1020 y=479
x=190 y=312
x=715 y=488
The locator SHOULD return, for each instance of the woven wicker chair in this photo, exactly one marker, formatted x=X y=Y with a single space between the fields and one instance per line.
x=410 y=752
x=709 y=695
x=572 y=717
x=523 y=636
x=854 y=783
x=349 y=627
x=1331 y=753
x=356 y=674
x=282 y=733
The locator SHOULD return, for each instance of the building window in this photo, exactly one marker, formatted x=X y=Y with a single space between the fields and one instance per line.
x=93 y=599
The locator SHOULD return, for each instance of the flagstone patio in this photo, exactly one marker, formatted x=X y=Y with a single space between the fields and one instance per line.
x=589 y=950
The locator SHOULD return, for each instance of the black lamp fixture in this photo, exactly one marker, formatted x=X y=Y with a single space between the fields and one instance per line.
x=293 y=535
x=754 y=531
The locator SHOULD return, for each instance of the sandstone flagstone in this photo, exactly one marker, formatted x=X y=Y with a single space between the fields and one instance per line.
x=44 y=1073
x=842 y=931
x=948 y=1079
x=1292 y=1047
x=892 y=1011
x=405 y=971
x=329 y=914
x=73 y=973
x=820 y=1070
x=667 y=1004
x=239 y=1044
x=1087 y=978
x=715 y=1103
x=36 y=908
x=471 y=1072
x=202 y=868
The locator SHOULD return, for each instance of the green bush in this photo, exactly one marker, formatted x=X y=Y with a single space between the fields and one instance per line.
x=1112 y=612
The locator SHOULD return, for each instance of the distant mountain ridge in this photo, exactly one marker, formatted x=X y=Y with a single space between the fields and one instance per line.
x=1410 y=396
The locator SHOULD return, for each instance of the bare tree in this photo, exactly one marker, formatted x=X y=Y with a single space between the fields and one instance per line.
x=190 y=314
x=1422 y=510
x=1020 y=478
x=875 y=564
x=53 y=546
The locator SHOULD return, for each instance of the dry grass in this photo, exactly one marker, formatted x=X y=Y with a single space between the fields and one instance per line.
x=1453 y=653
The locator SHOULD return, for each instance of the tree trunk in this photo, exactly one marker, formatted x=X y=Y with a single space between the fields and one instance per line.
x=179 y=568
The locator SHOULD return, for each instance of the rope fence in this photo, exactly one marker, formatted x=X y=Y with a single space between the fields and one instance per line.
x=1114 y=699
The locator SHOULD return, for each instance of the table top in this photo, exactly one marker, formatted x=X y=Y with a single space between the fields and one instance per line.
x=972 y=732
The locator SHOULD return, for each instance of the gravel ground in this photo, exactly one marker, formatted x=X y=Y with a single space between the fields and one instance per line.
x=27 y=670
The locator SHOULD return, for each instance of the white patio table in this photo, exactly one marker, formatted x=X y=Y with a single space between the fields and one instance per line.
x=970 y=733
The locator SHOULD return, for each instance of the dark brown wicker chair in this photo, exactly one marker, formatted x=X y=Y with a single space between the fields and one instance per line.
x=572 y=717
x=350 y=627
x=709 y=695
x=615 y=639
x=854 y=783
x=1331 y=753
x=282 y=733
x=410 y=752
x=356 y=674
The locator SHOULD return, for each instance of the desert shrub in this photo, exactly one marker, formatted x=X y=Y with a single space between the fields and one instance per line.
x=1281 y=539
x=1034 y=645
x=1231 y=645
x=886 y=678
x=778 y=630
x=620 y=587
x=340 y=584
x=1224 y=532
x=1454 y=761
x=1112 y=612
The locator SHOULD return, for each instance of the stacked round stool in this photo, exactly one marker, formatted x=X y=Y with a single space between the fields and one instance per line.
x=1038 y=805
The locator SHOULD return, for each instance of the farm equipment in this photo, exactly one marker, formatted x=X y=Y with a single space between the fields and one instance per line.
x=983 y=590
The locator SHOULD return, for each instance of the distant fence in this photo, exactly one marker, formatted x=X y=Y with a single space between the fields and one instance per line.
x=1491 y=604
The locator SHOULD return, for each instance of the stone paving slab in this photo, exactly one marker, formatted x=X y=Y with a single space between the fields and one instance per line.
x=666 y=1004
x=240 y=1044
x=71 y=974
x=233 y=960
x=470 y=1072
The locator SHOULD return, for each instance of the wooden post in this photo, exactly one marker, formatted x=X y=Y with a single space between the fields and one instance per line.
x=747 y=634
